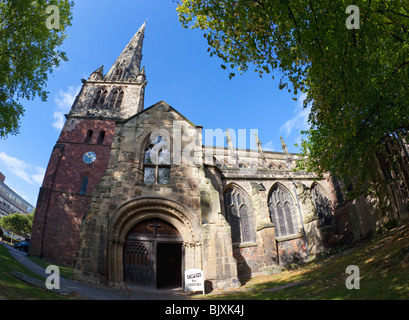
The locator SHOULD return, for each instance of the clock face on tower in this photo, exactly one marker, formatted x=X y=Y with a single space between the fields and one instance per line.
x=89 y=157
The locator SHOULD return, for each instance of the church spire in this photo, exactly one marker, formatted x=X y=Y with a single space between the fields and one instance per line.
x=283 y=145
x=127 y=66
x=260 y=150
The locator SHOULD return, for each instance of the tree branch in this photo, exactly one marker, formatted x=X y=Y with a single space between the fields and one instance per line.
x=295 y=23
x=394 y=12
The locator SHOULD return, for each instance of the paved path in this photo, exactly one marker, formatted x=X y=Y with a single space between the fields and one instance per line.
x=94 y=292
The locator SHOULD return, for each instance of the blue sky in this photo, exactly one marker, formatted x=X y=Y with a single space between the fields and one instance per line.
x=179 y=71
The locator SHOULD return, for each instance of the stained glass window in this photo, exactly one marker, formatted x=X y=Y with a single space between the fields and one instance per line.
x=163 y=175
x=239 y=215
x=157 y=161
x=283 y=212
x=149 y=175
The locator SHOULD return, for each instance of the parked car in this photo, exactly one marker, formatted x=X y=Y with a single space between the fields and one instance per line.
x=23 y=246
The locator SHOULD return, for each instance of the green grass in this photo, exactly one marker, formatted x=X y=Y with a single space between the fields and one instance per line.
x=14 y=289
x=383 y=263
x=65 y=272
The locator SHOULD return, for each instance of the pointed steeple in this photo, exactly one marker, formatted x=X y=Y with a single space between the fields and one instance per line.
x=100 y=70
x=229 y=141
x=258 y=143
x=127 y=66
x=283 y=145
x=260 y=151
x=233 y=158
x=97 y=74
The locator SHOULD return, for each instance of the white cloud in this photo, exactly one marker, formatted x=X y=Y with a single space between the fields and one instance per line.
x=39 y=176
x=300 y=120
x=64 y=101
x=16 y=166
x=268 y=146
x=23 y=170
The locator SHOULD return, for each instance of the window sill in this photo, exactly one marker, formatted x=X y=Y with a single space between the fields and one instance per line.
x=289 y=237
x=155 y=184
x=265 y=225
x=245 y=245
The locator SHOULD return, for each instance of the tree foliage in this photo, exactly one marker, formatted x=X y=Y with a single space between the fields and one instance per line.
x=28 y=54
x=356 y=80
x=18 y=223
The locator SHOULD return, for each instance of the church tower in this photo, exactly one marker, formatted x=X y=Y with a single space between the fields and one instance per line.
x=120 y=93
x=80 y=156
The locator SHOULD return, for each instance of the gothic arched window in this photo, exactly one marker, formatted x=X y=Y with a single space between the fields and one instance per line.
x=116 y=98
x=239 y=215
x=323 y=207
x=99 y=97
x=156 y=162
x=283 y=212
x=84 y=185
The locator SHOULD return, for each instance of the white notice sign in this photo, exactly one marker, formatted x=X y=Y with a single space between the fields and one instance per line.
x=194 y=280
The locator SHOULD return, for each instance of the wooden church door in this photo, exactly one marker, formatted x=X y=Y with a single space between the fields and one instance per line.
x=153 y=255
x=138 y=263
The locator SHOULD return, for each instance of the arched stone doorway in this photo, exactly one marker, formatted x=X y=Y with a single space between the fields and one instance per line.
x=182 y=238
x=153 y=255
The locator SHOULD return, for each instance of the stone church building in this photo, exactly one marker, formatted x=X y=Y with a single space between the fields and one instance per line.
x=132 y=198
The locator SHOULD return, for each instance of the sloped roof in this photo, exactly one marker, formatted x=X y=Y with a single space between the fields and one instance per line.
x=156 y=105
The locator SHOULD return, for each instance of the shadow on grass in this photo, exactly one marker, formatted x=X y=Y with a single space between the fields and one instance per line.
x=12 y=288
x=65 y=272
x=383 y=263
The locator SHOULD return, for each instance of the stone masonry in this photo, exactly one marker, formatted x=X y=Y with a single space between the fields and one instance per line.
x=236 y=212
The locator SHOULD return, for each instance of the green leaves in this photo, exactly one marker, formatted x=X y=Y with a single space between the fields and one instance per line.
x=28 y=53
x=356 y=80
x=17 y=223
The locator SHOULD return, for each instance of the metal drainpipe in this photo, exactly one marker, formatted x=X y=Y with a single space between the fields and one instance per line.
x=302 y=222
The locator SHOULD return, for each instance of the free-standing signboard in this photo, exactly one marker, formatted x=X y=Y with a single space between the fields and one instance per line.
x=194 y=280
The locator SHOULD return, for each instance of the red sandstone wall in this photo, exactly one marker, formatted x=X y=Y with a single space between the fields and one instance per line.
x=60 y=206
x=247 y=260
x=291 y=251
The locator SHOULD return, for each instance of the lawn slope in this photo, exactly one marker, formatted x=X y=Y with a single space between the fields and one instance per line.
x=383 y=263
